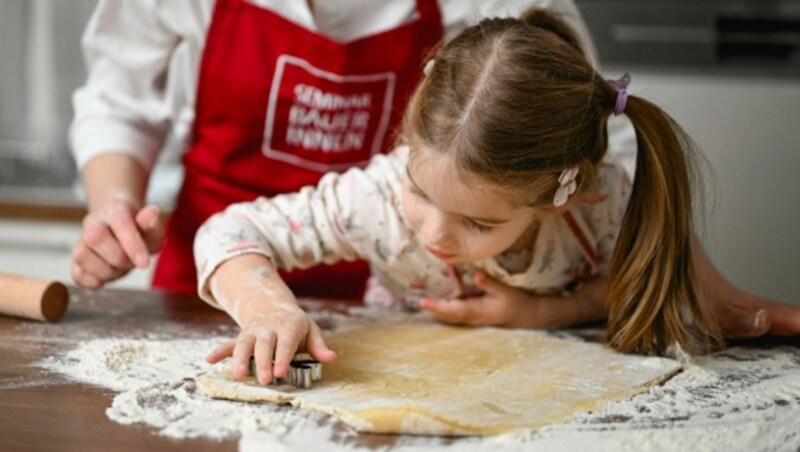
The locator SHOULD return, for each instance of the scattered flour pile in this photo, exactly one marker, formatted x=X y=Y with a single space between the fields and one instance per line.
x=739 y=399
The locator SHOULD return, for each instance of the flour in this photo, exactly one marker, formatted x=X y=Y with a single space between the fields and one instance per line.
x=739 y=399
x=129 y=364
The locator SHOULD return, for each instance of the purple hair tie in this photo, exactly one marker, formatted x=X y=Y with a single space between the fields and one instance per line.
x=621 y=86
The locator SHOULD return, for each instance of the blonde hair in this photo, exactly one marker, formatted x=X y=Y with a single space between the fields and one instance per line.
x=516 y=102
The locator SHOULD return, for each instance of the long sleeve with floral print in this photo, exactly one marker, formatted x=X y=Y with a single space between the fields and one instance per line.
x=358 y=214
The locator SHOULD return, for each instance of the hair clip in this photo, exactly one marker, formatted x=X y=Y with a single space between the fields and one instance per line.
x=428 y=67
x=566 y=186
x=621 y=85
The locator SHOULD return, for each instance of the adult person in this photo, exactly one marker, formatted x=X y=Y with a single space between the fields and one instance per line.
x=267 y=95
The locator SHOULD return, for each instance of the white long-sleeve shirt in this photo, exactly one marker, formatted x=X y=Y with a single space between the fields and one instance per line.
x=358 y=214
x=143 y=58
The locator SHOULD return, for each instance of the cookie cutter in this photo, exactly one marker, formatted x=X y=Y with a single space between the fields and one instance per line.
x=303 y=372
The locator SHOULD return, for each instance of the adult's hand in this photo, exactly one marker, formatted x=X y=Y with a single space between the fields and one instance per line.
x=116 y=238
x=741 y=314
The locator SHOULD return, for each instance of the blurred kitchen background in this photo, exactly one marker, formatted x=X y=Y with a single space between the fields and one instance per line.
x=728 y=71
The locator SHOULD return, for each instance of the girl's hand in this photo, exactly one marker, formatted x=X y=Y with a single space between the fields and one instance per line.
x=277 y=334
x=507 y=306
x=274 y=327
x=500 y=305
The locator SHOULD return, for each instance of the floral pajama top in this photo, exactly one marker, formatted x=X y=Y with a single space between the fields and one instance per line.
x=358 y=214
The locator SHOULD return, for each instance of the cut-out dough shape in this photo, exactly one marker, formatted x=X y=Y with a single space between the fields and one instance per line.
x=432 y=379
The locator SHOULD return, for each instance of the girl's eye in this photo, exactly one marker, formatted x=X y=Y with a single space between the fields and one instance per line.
x=477 y=226
x=416 y=192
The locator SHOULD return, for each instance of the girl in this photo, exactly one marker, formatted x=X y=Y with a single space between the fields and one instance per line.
x=502 y=141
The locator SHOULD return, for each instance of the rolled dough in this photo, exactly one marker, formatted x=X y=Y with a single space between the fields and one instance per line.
x=426 y=378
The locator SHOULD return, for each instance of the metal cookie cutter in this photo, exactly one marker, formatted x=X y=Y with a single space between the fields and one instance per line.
x=303 y=372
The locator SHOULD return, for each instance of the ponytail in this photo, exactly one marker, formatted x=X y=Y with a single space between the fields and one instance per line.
x=653 y=296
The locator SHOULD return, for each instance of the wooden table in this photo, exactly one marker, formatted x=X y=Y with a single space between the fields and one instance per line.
x=45 y=412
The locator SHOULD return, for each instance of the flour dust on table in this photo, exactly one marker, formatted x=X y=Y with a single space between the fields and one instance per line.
x=738 y=399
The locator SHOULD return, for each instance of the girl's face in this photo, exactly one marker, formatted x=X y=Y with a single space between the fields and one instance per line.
x=461 y=217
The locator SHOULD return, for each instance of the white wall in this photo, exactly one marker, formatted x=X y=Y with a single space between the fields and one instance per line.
x=749 y=129
x=41 y=66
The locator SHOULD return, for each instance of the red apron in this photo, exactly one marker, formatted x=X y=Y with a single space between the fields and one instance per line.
x=277 y=106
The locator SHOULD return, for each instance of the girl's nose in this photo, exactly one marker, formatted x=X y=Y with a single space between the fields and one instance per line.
x=436 y=230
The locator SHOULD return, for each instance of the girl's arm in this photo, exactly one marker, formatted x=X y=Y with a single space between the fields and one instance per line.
x=740 y=314
x=339 y=219
x=238 y=251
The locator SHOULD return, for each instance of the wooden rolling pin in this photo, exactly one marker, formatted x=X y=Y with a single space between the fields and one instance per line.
x=32 y=298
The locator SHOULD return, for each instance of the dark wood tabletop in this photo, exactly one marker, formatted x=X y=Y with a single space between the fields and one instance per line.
x=40 y=411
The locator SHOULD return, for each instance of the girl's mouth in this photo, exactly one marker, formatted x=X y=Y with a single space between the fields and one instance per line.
x=437 y=253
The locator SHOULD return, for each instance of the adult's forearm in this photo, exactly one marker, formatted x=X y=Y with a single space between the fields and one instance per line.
x=114 y=176
x=714 y=286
